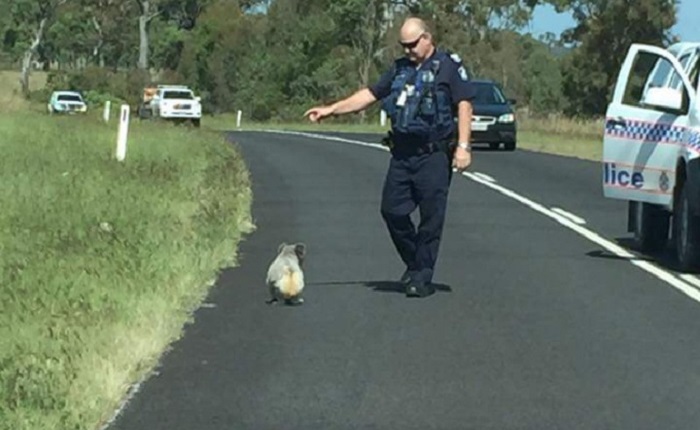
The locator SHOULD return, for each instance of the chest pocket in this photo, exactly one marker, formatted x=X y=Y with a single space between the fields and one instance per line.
x=427 y=98
x=389 y=104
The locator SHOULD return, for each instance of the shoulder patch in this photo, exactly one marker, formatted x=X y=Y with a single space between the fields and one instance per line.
x=456 y=58
x=463 y=73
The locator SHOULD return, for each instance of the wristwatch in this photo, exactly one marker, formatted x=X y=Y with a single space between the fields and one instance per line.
x=465 y=146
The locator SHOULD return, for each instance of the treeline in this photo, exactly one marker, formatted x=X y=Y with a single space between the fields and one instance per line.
x=274 y=58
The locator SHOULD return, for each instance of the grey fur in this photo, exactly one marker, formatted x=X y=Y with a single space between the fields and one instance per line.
x=290 y=259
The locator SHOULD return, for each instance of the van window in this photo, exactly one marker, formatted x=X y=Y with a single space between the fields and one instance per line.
x=651 y=71
x=693 y=72
x=676 y=81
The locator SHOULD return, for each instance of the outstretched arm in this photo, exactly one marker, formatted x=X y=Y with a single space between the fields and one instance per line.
x=356 y=102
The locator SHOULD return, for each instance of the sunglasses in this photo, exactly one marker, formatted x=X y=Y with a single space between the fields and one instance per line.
x=411 y=45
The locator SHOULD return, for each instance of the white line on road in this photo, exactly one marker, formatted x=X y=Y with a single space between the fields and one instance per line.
x=484 y=176
x=565 y=221
x=327 y=137
x=575 y=218
x=692 y=280
x=594 y=237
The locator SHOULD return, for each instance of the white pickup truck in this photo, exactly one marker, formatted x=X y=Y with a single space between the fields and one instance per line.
x=651 y=148
x=176 y=102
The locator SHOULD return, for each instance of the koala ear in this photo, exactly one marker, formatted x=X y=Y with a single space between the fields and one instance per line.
x=281 y=247
x=300 y=250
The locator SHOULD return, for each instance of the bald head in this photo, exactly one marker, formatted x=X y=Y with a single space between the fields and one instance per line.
x=416 y=40
x=412 y=28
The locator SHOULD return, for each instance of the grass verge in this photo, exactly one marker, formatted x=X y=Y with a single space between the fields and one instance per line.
x=103 y=262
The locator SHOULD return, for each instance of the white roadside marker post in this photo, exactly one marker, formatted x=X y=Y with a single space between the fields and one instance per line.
x=382 y=117
x=238 y=119
x=123 y=132
x=105 y=115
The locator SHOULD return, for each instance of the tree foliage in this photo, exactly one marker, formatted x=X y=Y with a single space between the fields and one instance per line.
x=272 y=58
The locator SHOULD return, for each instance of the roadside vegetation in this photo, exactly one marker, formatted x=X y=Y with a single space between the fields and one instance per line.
x=103 y=261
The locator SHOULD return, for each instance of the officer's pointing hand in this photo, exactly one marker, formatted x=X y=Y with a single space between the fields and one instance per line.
x=462 y=159
x=316 y=114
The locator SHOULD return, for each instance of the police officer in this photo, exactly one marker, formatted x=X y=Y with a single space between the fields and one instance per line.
x=421 y=94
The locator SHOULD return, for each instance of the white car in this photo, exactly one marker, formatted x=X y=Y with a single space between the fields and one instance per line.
x=69 y=102
x=176 y=102
x=651 y=148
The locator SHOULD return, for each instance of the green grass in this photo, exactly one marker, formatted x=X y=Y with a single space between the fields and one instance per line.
x=103 y=262
x=561 y=136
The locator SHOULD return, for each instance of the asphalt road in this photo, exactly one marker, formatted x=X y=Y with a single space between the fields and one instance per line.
x=540 y=321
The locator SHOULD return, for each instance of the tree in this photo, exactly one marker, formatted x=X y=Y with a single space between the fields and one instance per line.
x=605 y=29
x=31 y=18
x=543 y=81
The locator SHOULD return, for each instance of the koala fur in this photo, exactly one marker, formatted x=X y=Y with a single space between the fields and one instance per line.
x=285 y=277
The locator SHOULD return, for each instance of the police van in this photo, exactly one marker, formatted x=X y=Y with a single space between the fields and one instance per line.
x=651 y=148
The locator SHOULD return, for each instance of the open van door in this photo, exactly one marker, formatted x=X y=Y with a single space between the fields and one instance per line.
x=645 y=126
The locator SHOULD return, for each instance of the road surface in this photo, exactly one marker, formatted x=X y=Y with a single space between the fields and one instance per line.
x=541 y=320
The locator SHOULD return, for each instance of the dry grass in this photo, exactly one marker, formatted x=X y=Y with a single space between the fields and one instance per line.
x=591 y=128
x=11 y=99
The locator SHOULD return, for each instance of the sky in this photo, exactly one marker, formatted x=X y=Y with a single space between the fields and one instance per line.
x=687 y=28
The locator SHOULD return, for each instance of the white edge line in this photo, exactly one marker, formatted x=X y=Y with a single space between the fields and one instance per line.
x=694 y=281
x=592 y=236
x=484 y=176
x=650 y=268
x=575 y=218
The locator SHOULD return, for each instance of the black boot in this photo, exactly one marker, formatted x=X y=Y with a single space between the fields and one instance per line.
x=418 y=288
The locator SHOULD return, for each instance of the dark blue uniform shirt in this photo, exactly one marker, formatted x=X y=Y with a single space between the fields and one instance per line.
x=451 y=77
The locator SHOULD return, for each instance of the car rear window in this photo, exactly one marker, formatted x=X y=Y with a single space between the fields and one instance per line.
x=488 y=94
x=177 y=95
x=69 y=98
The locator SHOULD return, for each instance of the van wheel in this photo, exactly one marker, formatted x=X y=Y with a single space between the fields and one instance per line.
x=651 y=225
x=686 y=233
x=509 y=146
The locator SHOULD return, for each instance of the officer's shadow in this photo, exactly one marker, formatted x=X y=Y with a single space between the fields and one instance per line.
x=386 y=286
x=398 y=287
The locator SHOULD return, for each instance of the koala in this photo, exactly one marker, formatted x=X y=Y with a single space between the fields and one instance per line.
x=285 y=277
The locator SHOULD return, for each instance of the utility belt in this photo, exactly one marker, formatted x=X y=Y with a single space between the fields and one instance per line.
x=418 y=148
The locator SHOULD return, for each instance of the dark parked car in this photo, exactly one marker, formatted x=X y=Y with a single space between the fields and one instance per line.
x=493 y=121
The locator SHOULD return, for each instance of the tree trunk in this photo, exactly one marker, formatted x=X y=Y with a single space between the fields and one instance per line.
x=143 y=34
x=29 y=56
x=97 y=49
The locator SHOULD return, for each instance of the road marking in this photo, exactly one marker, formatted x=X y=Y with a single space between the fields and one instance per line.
x=692 y=280
x=484 y=176
x=578 y=220
x=594 y=237
x=327 y=137
x=565 y=221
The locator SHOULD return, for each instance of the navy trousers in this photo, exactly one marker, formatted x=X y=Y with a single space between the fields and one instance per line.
x=421 y=181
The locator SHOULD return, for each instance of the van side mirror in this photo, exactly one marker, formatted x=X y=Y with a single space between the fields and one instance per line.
x=198 y=98
x=512 y=101
x=663 y=97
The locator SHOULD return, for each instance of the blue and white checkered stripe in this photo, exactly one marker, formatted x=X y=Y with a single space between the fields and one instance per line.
x=646 y=131
x=694 y=140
